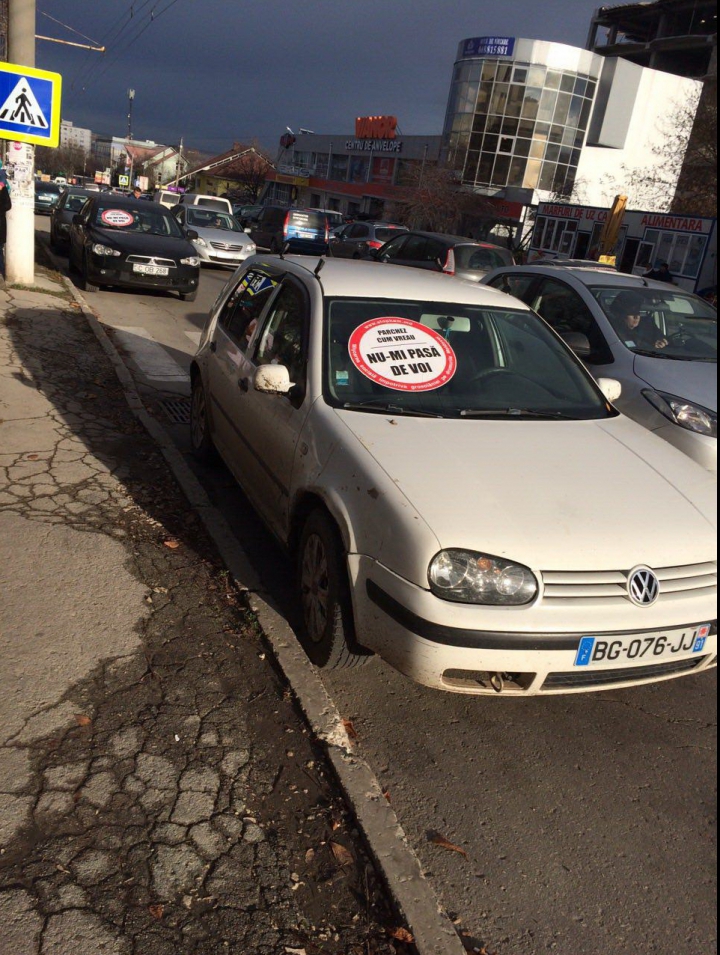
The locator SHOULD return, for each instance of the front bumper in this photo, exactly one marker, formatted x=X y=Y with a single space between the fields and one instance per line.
x=480 y=651
x=113 y=271
x=700 y=447
x=210 y=256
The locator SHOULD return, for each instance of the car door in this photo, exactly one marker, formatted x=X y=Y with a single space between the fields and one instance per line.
x=564 y=310
x=227 y=365
x=413 y=253
x=357 y=239
x=269 y=425
x=392 y=250
x=78 y=232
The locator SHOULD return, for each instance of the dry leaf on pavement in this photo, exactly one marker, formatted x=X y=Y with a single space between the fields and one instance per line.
x=157 y=911
x=82 y=720
x=343 y=856
x=439 y=840
x=350 y=729
x=173 y=545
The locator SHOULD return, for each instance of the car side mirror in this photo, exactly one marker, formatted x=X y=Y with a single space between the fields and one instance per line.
x=272 y=380
x=192 y=234
x=611 y=388
x=579 y=342
x=247 y=230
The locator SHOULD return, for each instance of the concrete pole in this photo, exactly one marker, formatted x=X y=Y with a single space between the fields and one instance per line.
x=20 y=248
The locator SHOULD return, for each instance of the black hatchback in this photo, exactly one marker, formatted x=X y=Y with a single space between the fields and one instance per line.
x=466 y=258
x=134 y=244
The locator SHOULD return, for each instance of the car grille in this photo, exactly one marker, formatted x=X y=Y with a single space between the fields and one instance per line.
x=150 y=260
x=589 y=587
x=599 y=678
x=226 y=247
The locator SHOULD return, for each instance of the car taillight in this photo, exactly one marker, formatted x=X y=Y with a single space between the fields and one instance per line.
x=373 y=244
x=449 y=266
x=286 y=223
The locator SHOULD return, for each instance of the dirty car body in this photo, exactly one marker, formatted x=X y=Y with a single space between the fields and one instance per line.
x=461 y=496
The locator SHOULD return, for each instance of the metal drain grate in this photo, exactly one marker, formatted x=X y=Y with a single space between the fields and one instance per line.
x=177 y=409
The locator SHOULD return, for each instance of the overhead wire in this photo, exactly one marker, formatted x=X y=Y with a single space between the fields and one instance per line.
x=71 y=29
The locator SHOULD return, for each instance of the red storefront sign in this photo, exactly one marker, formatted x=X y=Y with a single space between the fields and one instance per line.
x=383 y=169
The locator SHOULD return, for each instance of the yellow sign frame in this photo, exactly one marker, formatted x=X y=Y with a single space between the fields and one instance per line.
x=55 y=79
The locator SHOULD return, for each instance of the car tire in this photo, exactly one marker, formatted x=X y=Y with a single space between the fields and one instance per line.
x=85 y=284
x=201 y=441
x=188 y=296
x=328 y=631
x=274 y=247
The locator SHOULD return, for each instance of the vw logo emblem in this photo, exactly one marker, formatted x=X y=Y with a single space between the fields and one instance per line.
x=643 y=587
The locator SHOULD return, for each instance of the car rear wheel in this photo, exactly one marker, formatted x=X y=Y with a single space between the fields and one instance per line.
x=328 y=633
x=188 y=296
x=200 y=439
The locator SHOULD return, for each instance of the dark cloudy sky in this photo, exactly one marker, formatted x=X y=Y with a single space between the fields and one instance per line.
x=216 y=71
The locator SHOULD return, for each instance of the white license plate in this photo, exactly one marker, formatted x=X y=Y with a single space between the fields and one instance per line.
x=151 y=269
x=628 y=649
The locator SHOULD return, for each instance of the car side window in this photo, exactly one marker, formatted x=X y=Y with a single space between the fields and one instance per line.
x=564 y=310
x=414 y=249
x=434 y=251
x=283 y=335
x=358 y=231
x=239 y=317
x=518 y=285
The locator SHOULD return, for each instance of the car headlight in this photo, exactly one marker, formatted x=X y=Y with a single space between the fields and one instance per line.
x=251 y=249
x=200 y=243
x=99 y=249
x=467 y=577
x=686 y=414
x=191 y=260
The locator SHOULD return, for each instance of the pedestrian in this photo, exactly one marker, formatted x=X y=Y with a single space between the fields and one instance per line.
x=661 y=273
x=5 y=207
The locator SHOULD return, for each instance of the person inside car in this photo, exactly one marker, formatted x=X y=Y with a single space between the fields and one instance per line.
x=633 y=327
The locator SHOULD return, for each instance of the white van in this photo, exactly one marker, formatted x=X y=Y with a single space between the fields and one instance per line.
x=167 y=198
x=210 y=202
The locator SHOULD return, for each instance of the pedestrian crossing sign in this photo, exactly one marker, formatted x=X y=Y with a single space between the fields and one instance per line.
x=29 y=105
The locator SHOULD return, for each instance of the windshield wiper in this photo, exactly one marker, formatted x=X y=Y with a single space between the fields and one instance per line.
x=384 y=407
x=515 y=413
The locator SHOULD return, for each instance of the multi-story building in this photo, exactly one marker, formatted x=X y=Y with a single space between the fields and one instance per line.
x=75 y=137
x=675 y=36
x=539 y=116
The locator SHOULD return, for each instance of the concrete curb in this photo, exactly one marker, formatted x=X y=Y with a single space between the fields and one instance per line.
x=431 y=928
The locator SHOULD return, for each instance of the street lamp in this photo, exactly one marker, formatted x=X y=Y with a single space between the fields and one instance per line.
x=131 y=97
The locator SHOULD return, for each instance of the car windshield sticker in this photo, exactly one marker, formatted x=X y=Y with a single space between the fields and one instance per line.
x=118 y=218
x=402 y=355
x=255 y=282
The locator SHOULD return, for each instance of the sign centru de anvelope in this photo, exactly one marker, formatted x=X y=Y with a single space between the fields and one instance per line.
x=30 y=102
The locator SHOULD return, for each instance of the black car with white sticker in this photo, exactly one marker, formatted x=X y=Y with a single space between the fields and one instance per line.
x=116 y=241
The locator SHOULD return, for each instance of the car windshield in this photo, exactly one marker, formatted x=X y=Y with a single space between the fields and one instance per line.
x=48 y=187
x=665 y=324
x=210 y=219
x=150 y=220
x=475 y=258
x=451 y=360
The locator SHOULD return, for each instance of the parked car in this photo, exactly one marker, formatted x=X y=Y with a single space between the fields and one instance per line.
x=358 y=239
x=46 y=195
x=451 y=254
x=210 y=202
x=220 y=240
x=244 y=213
x=301 y=229
x=167 y=198
x=335 y=219
x=672 y=389
x=460 y=494
x=133 y=244
x=68 y=205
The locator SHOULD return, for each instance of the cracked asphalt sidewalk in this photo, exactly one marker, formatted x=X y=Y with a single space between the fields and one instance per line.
x=160 y=793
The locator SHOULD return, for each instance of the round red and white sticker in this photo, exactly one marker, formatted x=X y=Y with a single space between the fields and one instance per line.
x=403 y=355
x=117 y=217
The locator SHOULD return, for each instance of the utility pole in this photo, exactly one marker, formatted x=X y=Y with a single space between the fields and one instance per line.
x=20 y=248
x=131 y=97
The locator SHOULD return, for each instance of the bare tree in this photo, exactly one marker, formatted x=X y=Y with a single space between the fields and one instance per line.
x=683 y=175
x=433 y=199
x=64 y=160
x=250 y=172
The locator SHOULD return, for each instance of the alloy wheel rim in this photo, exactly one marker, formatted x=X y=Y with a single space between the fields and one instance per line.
x=314 y=582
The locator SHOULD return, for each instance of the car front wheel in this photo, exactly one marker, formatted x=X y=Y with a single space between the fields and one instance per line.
x=328 y=633
x=85 y=284
x=188 y=296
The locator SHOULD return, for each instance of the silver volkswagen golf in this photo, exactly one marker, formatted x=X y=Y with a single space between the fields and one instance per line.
x=657 y=340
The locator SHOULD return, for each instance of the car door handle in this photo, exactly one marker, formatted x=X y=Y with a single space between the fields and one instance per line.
x=244 y=384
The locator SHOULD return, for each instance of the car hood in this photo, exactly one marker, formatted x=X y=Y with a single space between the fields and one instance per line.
x=140 y=243
x=223 y=235
x=555 y=495
x=695 y=381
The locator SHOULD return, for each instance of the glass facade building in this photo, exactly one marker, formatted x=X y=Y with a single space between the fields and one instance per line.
x=520 y=118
